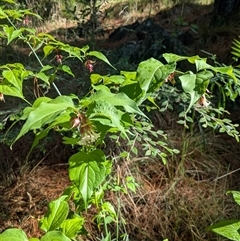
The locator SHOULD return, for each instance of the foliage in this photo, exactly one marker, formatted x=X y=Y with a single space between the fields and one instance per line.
x=228 y=228
x=88 y=15
x=116 y=106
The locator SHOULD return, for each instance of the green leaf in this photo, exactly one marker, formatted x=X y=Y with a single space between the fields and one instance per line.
x=172 y=58
x=118 y=100
x=13 y=74
x=228 y=70
x=195 y=85
x=48 y=50
x=66 y=69
x=108 y=207
x=12 y=33
x=13 y=234
x=46 y=68
x=73 y=51
x=106 y=114
x=100 y=56
x=55 y=236
x=228 y=229
x=39 y=136
x=151 y=74
x=129 y=75
x=113 y=79
x=34 y=239
x=70 y=227
x=236 y=196
x=7 y=89
x=87 y=172
x=42 y=76
x=45 y=113
x=56 y=214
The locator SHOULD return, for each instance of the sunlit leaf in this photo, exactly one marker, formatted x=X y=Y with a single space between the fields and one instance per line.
x=236 y=196
x=103 y=112
x=48 y=49
x=172 y=58
x=195 y=85
x=151 y=74
x=87 y=172
x=66 y=69
x=117 y=100
x=45 y=113
x=100 y=56
x=70 y=227
x=57 y=212
x=55 y=236
x=13 y=234
x=12 y=33
x=228 y=229
x=42 y=76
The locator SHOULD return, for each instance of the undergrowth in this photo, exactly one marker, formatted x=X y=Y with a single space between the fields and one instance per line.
x=148 y=182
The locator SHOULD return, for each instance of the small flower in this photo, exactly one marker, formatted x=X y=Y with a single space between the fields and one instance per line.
x=170 y=78
x=2 y=97
x=26 y=21
x=89 y=64
x=58 y=58
x=203 y=102
x=75 y=122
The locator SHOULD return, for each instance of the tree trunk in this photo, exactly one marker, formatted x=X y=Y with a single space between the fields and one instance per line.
x=223 y=11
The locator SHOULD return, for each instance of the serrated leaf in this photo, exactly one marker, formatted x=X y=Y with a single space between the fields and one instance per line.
x=87 y=172
x=57 y=212
x=13 y=234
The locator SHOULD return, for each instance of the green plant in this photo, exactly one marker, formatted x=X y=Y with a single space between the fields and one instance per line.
x=115 y=107
x=88 y=14
x=228 y=228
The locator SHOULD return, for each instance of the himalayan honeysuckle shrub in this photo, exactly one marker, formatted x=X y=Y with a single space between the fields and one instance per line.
x=115 y=107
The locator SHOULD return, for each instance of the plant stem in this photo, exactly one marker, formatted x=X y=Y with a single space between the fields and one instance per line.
x=40 y=62
x=35 y=54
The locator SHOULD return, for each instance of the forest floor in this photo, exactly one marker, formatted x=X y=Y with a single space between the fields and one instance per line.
x=177 y=201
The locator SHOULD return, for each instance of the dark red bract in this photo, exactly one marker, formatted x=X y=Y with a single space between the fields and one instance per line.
x=89 y=64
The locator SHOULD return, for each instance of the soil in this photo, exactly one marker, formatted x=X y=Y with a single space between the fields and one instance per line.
x=26 y=189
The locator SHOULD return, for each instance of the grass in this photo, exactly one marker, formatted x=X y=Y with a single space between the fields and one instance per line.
x=180 y=200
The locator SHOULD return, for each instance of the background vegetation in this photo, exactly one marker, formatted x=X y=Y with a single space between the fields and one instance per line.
x=153 y=192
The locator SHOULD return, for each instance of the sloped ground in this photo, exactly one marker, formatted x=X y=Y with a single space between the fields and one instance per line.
x=177 y=201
